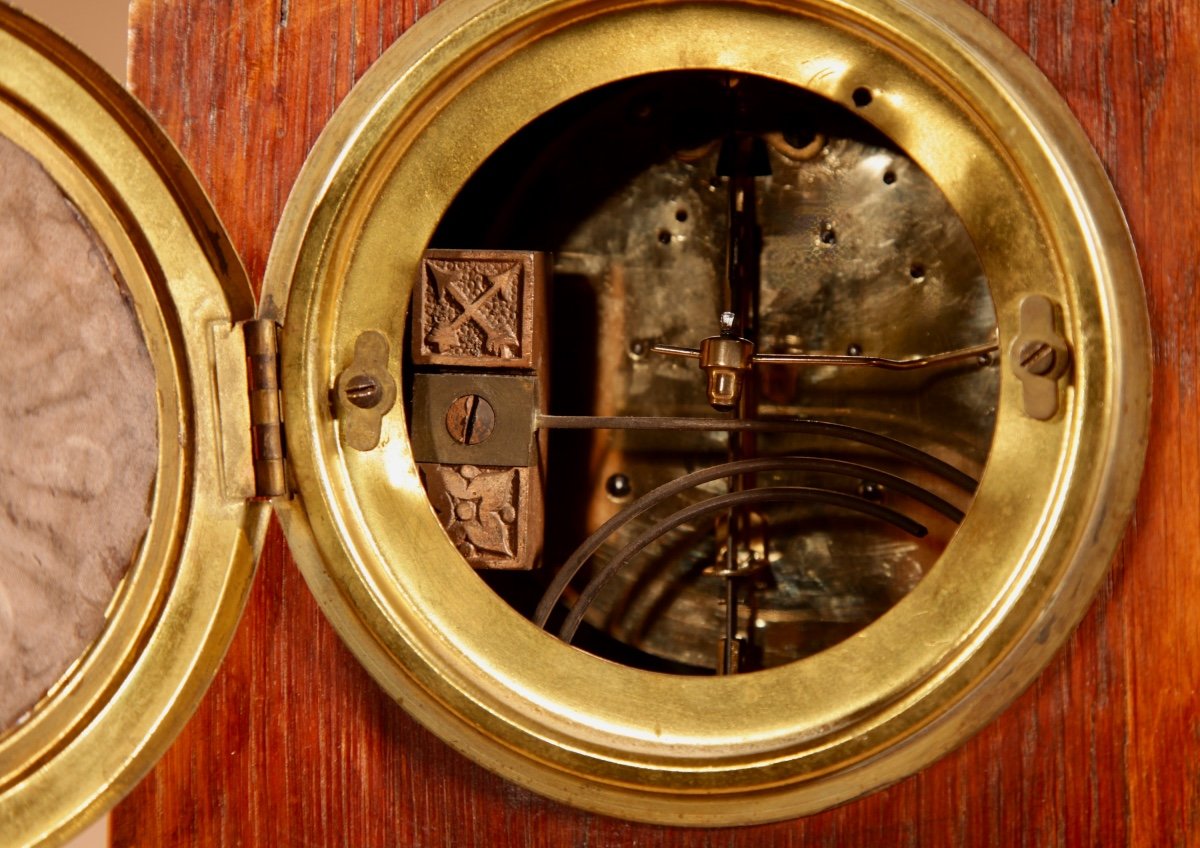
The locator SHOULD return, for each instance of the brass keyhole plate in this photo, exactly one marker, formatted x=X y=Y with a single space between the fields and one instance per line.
x=975 y=115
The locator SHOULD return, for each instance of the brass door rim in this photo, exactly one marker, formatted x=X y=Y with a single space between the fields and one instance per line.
x=1049 y=512
x=113 y=714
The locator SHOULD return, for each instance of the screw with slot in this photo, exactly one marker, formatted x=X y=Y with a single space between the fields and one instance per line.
x=1038 y=357
x=364 y=391
x=470 y=420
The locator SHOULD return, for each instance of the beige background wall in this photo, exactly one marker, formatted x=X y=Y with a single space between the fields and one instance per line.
x=97 y=26
x=100 y=28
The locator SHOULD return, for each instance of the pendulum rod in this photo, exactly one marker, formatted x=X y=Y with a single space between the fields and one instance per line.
x=741 y=161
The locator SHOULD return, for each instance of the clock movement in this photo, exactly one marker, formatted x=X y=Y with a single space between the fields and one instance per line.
x=699 y=413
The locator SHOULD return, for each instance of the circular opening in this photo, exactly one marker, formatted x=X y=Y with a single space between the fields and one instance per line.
x=800 y=138
x=718 y=548
x=862 y=97
x=618 y=486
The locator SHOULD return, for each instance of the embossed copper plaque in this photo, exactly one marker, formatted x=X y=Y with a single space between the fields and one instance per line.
x=477 y=309
x=492 y=515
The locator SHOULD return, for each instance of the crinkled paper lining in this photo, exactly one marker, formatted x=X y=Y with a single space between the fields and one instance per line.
x=78 y=437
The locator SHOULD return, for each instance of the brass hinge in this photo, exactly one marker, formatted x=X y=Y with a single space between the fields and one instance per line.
x=266 y=425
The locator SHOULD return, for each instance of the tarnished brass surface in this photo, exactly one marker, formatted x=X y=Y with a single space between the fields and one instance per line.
x=479 y=458
x=365 y=391
x=116 y=710
x=976 y=117
x=853 y=236
x=1040 y=357
x=482 y=313
x=261 y=356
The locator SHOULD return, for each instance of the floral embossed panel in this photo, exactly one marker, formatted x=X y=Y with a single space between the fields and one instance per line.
x=486 y=512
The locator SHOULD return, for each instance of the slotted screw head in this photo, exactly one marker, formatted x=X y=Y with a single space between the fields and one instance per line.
x=364 y=391
x=1038 y=357
x=470 y=420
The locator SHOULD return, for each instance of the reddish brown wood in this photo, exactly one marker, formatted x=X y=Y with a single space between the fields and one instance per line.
x=295 y=745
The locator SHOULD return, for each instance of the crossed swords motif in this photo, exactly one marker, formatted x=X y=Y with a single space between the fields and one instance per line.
x=444 y=336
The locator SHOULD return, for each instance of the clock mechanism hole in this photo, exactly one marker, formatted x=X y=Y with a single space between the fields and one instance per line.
x=731 y=550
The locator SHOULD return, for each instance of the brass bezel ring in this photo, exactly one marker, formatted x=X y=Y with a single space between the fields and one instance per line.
x=115 y=711
x=980 y=119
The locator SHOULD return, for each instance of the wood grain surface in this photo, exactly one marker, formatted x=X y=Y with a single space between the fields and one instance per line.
x=296 y=746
